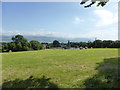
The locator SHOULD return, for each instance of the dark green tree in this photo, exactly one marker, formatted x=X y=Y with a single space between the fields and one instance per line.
x=97 y=44
x=11 y=46
x=19 y=46
x=19 y=38
x=4 y=46
x=35 y=45
x=83 y=44
x=107 y=43
x=21 y=43
x=90 y=44
x=56 y=43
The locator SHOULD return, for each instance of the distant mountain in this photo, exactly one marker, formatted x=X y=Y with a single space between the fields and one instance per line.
x=6 y=38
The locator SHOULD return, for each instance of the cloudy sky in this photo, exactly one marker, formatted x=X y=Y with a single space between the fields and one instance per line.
x=60 y=19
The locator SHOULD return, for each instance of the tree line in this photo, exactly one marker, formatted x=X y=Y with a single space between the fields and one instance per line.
x=19 y=43
x=89 y=44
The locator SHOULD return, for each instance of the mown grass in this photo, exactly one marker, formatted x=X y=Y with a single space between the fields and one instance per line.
x=63 y=68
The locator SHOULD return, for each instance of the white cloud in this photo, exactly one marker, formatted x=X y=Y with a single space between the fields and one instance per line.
x=40 y=33
x=106 y=17
x=77 y=20
x=114 y=0
x=109 y=34
x=104 y=34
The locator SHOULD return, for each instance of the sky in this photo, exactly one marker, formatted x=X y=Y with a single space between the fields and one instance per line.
x=60 y=19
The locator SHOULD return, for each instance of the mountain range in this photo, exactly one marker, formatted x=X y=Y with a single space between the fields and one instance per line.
x=7 y=38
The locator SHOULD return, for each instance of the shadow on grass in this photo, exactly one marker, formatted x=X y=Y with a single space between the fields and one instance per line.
x=108 y=75
x=30 y=83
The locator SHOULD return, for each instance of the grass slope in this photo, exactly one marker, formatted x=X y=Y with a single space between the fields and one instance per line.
x=57 y=68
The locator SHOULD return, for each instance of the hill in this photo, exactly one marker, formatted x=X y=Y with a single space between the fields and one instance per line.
x=61 y=68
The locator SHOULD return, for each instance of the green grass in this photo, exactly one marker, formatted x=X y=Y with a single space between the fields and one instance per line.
x=63 y=68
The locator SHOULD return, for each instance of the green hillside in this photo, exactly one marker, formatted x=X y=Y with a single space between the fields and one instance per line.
x=60 y=68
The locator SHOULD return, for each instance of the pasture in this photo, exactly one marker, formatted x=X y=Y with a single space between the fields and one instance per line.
x=60 y=68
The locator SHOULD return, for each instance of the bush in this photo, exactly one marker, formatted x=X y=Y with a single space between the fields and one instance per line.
x=35 y=45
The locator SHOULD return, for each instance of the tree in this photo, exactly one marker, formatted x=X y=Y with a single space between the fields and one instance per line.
x=83 y=44
x=11 y=46
x=101 y=2
x=20 y=38
x=26 y=46
x=107 y=43
x=4 y=46
x=35 y=45
x=56 y=43
x=117 y=43
x=19 y=46
x=21 y=43
x=90 y=44
x=98 y=44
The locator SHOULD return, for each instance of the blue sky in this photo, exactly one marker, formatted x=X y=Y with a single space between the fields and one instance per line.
x=60 y=19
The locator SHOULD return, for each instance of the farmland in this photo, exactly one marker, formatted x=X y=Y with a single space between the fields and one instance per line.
x=60 y=68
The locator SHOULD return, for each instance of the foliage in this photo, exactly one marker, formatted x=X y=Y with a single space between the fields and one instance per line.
x=97 y=44
x=21 y=44
x=35 y=45
x=11 y=46
x=19 y=38
x=56 y=43
x=4 y=46
x=101 y=3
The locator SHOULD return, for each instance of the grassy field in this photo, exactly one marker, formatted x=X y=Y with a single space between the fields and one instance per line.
x=60 y=68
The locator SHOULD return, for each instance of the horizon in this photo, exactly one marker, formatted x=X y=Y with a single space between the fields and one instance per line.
x=48 y=39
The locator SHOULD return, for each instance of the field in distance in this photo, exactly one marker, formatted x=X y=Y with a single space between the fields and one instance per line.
x=60 y=68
